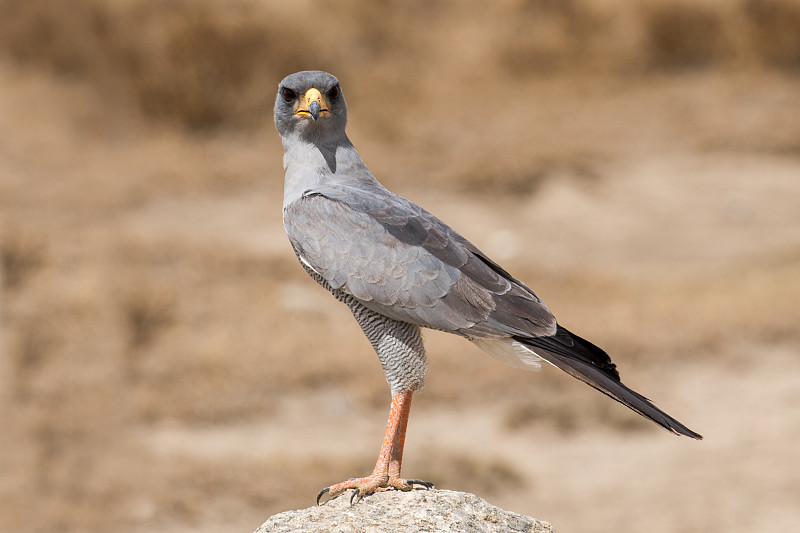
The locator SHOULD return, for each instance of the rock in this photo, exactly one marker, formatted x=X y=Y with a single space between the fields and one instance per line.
x=401 y=512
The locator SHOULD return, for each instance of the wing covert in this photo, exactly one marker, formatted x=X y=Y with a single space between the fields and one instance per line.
x=401 y=261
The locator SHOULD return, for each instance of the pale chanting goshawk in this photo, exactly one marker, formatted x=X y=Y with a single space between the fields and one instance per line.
x=399 y=268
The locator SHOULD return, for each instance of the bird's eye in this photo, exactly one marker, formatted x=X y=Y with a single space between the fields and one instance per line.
x=333 y=92
x=288 y=94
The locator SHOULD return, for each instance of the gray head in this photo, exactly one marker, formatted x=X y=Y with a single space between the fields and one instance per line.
x=310 y=104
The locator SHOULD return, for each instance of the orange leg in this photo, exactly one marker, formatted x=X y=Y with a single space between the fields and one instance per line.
x=386 y=474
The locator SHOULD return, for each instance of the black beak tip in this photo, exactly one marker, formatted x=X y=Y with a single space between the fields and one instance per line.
x=314 y=110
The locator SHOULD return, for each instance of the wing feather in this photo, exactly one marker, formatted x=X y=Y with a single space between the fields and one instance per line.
x=403 y=262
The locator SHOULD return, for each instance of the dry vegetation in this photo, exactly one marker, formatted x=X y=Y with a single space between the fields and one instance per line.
x=167 y=366
x=202 y=63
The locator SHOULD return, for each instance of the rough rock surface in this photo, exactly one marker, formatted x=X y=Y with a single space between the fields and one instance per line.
x=400 y=512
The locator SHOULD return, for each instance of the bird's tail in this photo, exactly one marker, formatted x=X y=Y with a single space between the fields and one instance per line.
x=585 y=361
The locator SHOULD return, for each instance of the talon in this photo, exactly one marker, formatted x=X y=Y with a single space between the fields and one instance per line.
x=386 y=475
x=427 y=484
x=322 y=493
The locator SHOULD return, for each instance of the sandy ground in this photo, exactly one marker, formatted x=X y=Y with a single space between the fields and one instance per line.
x=168 y=367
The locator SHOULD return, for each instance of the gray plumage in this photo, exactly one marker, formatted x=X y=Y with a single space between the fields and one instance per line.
x=399 y=268
x=398 y=344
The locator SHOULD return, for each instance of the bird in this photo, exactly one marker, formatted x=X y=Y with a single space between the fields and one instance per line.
x=399 y=269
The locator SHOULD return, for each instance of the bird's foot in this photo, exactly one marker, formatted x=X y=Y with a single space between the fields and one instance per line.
x=364 y=486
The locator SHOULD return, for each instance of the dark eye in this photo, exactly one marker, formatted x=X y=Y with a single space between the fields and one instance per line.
x=288 y=94
x=333 y=93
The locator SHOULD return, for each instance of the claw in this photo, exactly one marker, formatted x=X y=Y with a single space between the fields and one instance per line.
x=322 y=493
x=364 y=486
x=427 y=484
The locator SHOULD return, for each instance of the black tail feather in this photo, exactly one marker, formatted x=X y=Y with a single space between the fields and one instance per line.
x=585 y=361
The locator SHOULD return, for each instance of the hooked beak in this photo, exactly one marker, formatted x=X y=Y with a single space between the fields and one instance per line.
x=312 y=104
x=314 y=109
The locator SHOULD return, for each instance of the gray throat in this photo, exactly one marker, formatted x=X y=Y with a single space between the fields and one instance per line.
x=310 y=164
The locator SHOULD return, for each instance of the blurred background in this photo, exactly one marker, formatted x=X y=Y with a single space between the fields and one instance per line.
x=166 y=365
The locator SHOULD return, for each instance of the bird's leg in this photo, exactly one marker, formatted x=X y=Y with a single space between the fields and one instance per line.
x=399 y=435
x=386 y=474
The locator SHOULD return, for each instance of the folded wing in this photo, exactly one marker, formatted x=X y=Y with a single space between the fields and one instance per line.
x=401 y=261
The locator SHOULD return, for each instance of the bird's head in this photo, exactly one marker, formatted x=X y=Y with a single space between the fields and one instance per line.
x=310 y=103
